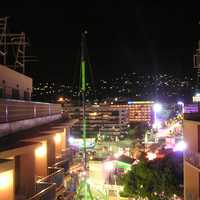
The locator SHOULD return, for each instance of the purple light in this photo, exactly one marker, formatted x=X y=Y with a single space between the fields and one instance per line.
x=180 y=146
x=71 y=140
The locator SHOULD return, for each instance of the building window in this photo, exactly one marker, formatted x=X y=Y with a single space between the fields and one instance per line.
x=26 y=95
x=1 y=92
x=15 y=93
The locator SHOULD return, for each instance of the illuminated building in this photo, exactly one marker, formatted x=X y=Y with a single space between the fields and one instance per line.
x=14 y=85
x=103 y=119
x=138 y=111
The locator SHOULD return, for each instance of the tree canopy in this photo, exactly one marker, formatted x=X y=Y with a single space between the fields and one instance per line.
x=156 y=180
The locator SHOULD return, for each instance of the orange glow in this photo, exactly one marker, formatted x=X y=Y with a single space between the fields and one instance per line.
x=57 y=138
x=6 y=179
x=93 y=114
x=41 y=151
x=61 y=99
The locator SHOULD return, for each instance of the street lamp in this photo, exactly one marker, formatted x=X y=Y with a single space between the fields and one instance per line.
x=180 y=103
x=157 y=107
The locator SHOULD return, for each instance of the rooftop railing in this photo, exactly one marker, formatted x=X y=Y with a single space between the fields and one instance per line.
x=14 y=110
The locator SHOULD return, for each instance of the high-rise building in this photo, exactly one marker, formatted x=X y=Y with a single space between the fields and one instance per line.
x=138 y=111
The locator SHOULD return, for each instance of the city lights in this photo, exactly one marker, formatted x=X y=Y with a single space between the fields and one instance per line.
x=118 y=154
x=157 y=107
x=60 y=99
x=151 y=156
x=93 y=114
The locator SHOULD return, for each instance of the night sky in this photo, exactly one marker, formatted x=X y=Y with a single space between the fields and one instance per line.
x=123 y=36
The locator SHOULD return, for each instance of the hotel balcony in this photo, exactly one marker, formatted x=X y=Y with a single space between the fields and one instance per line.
x=33 y=149
x=48 y=187
x=46 y=191
x=64 y=159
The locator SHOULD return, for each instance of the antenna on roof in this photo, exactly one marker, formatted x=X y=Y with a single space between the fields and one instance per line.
x=18 y=41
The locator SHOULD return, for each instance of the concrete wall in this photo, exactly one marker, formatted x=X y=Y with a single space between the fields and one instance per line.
x=190 y=130
x=191 y=182
x=10 y=79
x=12 y=127
x=191 y=173
x=51 y=152
x=25 y=171
x=41 y=162
x=7 y=180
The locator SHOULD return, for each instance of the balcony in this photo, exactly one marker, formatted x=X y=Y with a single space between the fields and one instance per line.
x=63 y=160
x=47 y=187
x=192 y=158
x=44 y=191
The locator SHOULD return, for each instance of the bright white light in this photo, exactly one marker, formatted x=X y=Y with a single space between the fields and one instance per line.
x=157 y=107
x=109 y=165
x=118 y=154
x=180 y=103
x=71 y=140
x=180 y=146
x=151 y=156
x=89 y=182
x=197 y=94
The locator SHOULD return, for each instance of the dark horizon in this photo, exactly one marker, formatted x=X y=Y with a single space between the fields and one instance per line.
x=122 y=37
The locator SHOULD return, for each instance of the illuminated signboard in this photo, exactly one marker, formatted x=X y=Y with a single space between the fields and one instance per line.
x=191 y=108
x=196 y=98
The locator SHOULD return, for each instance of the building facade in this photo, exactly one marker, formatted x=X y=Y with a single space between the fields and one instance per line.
x=14 y=85
x=192 y=156
x=138 y=111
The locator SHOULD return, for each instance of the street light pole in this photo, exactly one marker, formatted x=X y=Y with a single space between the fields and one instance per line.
x=156 y=108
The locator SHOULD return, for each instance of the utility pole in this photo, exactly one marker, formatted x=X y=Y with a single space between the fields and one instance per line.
x=84 y=191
